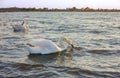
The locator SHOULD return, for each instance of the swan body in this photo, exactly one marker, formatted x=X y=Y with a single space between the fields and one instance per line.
x=43 y=46
x=21 y=27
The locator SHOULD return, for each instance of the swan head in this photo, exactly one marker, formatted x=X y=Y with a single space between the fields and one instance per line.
x=23 y=23
x=68 y=41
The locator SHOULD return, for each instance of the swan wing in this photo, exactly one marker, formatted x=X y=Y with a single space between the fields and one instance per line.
x=43 y=46
x=18 y=28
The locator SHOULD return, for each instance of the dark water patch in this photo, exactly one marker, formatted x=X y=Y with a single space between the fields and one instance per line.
x=43 y=58
x=64 y=28
x=61 y=28
x=11 y=52
x=56 y=29
x=7 y=53
x=13 y=47
x=105 y=52
x=23 y=67
x=18 y=70
x=47 y=22
x=5 y=24
x=83 y=73
x=97 y=31
x=1 y=24
x=36 y=27
x=80 y=52
x=12 y=69
x=42 y=22
x=108 y=40
x=118 y=27
x=115 y=41
x=11 y=38
x=78 y=48
x=112 y=66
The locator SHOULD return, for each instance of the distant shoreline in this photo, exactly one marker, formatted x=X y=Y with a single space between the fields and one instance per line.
x=73 y=9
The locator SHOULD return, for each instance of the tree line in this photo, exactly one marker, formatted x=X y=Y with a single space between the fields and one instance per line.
x=86 y=9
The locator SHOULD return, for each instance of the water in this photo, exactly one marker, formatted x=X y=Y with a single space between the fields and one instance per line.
x=96 y=36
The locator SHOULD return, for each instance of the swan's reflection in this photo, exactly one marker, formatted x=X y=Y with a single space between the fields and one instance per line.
x=59 y=58
x=64 y=58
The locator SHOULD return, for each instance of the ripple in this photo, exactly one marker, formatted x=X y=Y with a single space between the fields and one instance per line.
x=104 y=52
x=97 y=55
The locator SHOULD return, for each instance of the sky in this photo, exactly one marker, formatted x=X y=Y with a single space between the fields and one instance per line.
x=105 y=4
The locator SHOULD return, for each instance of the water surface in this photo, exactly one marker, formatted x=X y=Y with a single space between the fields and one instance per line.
x=96 y=36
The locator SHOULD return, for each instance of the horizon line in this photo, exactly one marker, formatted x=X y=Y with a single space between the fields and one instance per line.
x=58 y=8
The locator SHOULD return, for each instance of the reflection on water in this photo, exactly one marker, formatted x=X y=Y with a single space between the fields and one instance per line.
x=59 y=58
x=64 y=58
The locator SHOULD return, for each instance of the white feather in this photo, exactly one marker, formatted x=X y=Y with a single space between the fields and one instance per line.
x=43 y=46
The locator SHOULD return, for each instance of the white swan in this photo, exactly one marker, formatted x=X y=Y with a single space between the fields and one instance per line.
x=44 y=46
x=21 y=27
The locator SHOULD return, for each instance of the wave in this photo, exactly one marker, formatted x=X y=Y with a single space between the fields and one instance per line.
x=20 y=70
x=105 y=52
